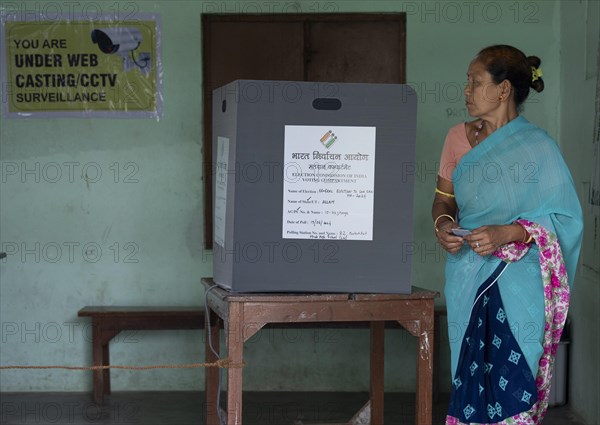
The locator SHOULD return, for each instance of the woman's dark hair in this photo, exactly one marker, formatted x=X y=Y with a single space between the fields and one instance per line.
x=505 y=62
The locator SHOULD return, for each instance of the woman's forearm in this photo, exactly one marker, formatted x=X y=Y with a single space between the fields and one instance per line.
x=442 y=211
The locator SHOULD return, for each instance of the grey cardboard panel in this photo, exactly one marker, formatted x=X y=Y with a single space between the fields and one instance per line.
x=256 y=257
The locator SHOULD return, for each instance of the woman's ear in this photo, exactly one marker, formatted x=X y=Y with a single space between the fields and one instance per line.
x=505 y=90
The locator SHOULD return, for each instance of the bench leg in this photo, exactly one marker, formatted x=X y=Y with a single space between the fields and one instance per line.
x=101 y=357
x=377 y=372
x=106 y=372
x=97 y=360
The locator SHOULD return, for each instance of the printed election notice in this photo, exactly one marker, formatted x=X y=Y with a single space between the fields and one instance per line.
x=329 y=179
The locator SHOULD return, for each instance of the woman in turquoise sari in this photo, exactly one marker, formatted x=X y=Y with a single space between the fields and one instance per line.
x=508 y=275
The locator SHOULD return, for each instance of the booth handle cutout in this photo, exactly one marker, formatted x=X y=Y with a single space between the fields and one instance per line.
x=327 y=104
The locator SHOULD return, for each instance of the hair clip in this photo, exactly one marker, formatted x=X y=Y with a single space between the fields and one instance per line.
x=536 y=73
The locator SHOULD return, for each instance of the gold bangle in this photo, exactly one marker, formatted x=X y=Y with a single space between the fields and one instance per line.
x=524 y=233
x=525 y=239
x=440 y=216
x=449 y=195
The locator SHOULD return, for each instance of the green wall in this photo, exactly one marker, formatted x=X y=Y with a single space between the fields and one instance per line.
x=157 y=219
x=579 y=44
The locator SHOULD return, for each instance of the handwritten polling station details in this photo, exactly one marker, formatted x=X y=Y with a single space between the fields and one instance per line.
x=328 y=188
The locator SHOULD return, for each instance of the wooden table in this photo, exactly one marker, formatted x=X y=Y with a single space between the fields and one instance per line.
x=245 y=314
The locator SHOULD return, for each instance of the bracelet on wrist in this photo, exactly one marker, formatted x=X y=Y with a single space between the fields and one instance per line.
x=449 y=195
x=525 y=240
x=438 y=218
x=524 y=234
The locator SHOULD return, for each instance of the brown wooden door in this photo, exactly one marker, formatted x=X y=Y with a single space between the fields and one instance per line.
x=358 y=48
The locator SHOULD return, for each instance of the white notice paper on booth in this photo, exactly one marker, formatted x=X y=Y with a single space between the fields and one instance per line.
x=222 y=167
x=329 y=178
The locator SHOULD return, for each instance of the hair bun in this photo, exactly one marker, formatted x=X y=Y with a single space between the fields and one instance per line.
x=538 y=84
x=534 y=61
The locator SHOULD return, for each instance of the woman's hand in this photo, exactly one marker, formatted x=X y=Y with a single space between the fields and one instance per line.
x=447 y=239
x=486 y=239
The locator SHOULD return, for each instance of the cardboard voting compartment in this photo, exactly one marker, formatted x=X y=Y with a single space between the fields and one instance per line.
x=313 y=186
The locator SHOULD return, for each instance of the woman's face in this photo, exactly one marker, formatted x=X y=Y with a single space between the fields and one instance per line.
x=481 y=93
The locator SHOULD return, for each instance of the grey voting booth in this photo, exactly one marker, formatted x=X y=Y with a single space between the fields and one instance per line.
x=312 y=186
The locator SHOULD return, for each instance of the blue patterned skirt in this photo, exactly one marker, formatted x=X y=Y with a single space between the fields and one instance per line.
x=493 y=381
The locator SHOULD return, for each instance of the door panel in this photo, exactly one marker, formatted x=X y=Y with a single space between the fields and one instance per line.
x=355 y=52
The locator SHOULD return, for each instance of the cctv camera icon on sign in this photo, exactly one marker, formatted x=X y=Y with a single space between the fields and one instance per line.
x=123 y=42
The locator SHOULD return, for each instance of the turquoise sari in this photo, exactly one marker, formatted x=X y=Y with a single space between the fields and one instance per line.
x=516 y=175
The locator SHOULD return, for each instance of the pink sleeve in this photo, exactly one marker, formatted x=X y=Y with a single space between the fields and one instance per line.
x=455 y=146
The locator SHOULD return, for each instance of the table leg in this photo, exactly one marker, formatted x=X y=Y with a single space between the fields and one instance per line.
x=235 y=350
x=425 y=367
x=211 y=385
x=436 y=359
x=377 y=372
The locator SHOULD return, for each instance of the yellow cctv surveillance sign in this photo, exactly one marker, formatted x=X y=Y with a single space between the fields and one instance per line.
x=88 y=66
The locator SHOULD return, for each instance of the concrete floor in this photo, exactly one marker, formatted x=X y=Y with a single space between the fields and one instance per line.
x=187 y=408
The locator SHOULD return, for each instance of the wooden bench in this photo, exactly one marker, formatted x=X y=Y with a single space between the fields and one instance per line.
x=108 y=322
